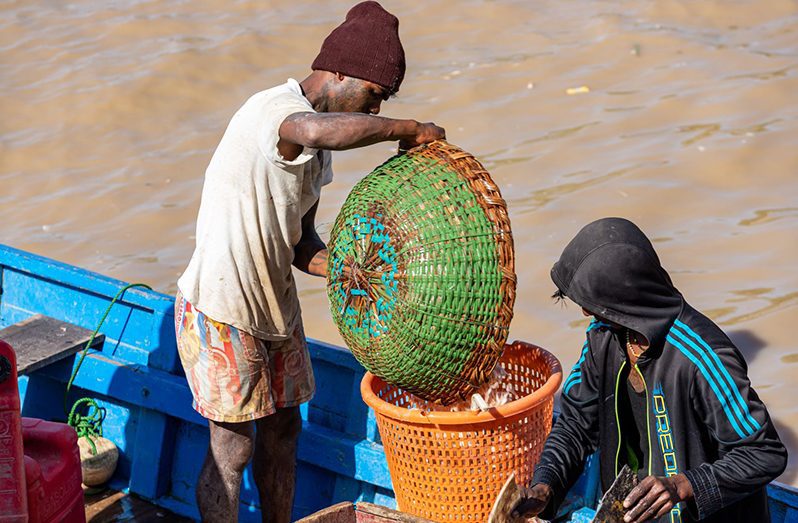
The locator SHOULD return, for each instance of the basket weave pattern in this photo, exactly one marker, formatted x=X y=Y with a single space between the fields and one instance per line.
x=451 y=466
x=421 y=277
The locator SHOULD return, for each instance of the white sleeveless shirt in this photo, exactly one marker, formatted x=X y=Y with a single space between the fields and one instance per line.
x=250 y=219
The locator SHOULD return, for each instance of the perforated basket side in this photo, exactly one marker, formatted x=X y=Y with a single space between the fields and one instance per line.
x=450 y=466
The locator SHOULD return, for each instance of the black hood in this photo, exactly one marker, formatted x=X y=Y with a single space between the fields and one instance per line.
x=611 y=269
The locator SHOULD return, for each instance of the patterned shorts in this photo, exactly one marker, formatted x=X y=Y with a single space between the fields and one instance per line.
x=235 y=377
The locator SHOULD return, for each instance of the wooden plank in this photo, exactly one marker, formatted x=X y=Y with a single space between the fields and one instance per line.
x=345 y=488
x=340 y=513
x=357 y=424
x=361 y=513
x=783 y=494
x=109 y=506
x=150 y=471
x=783 y=500
x=41 y=340
x=369 y=513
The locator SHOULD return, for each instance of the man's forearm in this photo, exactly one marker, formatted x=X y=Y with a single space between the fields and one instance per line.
x=318 y=264
x=311 y=257
x=341 y=131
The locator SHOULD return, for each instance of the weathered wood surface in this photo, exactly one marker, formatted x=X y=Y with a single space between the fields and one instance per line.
x=369 y=513
x=340 y=513
x=347 y=512
x=507 y=499
x=610 y=509
x=111 y=506
x=40 y=340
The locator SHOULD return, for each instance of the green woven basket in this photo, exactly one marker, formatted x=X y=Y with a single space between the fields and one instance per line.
x=421 y=276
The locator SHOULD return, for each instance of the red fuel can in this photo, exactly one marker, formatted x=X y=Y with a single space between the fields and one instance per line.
x=33 y=477
x=13 y=498
x=54 y=448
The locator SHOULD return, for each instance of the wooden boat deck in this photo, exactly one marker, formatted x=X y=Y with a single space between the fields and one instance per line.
x=109 y=506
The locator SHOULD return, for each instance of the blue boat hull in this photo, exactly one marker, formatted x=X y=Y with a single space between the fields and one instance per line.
x=138 y=378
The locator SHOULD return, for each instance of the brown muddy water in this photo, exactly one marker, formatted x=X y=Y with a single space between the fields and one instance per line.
x=686 y=124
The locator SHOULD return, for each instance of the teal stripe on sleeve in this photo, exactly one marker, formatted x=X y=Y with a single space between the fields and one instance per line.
x=724 y=373
x=574 y=382
x=576 y=373
x=595 y=324
x=712 y=383
x=719 y=380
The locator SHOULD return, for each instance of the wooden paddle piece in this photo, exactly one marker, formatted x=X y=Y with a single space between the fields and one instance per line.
x=508 y=497
x=610 y=509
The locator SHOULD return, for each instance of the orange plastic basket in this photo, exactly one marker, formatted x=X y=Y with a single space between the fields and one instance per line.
x=450 y=466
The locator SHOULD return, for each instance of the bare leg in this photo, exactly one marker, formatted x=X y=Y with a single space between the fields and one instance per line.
x=219 y=483
x=274 y=463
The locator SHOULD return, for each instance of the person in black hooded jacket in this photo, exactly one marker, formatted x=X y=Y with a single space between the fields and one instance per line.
x=658 y=386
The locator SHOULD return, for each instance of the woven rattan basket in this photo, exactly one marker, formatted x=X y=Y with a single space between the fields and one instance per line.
x=421 y=277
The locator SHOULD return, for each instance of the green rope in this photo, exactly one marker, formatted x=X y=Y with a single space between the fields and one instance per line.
x=89 y=425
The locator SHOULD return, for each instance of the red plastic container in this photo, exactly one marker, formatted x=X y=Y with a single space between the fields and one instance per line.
x=54 y=447
x=33 y=477
x=13 y=498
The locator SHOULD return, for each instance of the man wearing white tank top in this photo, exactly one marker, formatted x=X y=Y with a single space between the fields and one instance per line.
x=238 y=320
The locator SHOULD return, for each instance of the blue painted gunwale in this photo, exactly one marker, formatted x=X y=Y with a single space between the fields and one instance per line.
x=137 y=377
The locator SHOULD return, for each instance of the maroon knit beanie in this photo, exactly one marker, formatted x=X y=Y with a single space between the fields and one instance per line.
x=365 y=46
